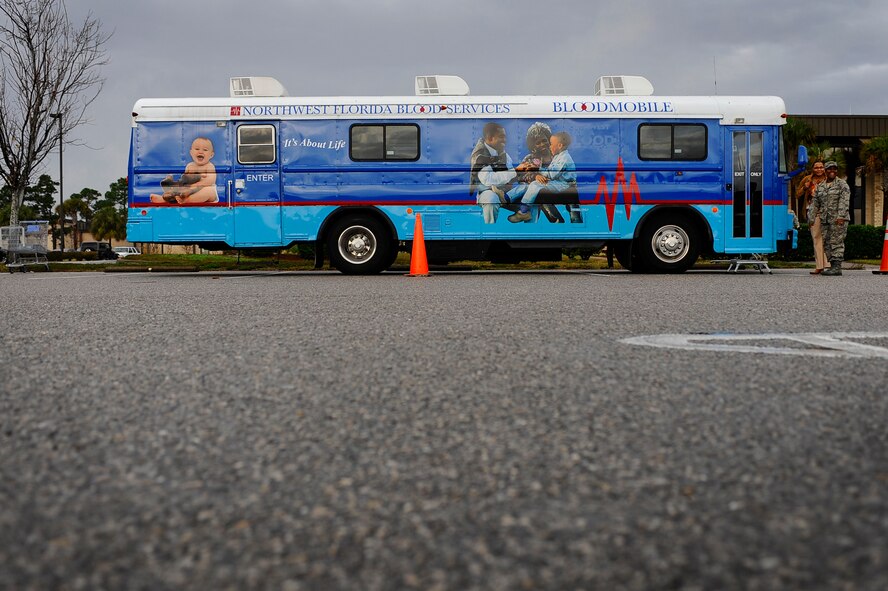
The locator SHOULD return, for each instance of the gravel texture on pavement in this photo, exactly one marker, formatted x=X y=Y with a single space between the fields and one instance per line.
x=461 y=431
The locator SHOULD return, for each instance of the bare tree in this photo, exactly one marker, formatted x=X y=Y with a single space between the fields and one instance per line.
x=47 y=66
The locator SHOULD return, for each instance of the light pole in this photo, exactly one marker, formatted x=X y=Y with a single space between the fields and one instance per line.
x=58 y=116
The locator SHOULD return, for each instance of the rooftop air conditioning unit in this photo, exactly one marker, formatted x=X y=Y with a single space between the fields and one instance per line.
x=441 y=85
x=623 y=85
x=256 y=86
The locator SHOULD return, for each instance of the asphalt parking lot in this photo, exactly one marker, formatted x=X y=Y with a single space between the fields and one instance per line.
x=475 y=430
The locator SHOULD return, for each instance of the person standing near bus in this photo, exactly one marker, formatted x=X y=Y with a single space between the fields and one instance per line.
x=492 y=171
x=832 y=199
x=809 y=185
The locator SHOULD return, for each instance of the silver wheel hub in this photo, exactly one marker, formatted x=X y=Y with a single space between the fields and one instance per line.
x=357 y=244
x=670 y=243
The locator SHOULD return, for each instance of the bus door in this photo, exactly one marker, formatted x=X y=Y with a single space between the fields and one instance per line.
x=748 y=223
x=255 y=191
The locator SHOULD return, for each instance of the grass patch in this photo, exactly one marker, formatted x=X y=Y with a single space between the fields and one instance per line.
x=218 y=262
x=291 y=262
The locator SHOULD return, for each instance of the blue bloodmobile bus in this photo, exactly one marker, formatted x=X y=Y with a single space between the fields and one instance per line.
x=659 y=179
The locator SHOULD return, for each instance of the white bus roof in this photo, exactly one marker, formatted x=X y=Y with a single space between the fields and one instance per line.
x=728 y=110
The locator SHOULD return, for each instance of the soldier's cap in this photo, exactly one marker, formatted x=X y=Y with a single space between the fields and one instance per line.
x=831 y=164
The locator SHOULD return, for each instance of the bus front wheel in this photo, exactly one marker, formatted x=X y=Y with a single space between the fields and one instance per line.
x=359 y=246
x=669 y=244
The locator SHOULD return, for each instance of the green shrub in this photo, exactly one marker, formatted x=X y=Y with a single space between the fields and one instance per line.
x=306 y=251
x=862 y=242
x=805 y=250
x=581 y=253
x=55 y=256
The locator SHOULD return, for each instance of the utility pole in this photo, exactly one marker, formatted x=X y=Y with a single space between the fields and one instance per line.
x=58 y=116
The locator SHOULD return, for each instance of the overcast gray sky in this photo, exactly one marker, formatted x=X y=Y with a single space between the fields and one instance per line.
x=822 y=57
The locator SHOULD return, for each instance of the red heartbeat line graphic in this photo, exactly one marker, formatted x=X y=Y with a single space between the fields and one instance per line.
x=630 y=194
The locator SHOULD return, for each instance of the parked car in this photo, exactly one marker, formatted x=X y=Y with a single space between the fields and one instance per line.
x=102 y=249
x=125 y=251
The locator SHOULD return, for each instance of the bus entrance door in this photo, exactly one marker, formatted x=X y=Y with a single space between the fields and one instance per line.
x=255 y=195
x=747 y=221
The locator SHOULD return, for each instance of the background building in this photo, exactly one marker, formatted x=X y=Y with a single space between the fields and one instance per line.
x=848 y=133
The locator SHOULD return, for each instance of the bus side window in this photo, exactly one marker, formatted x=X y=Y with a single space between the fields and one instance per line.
x=384 y=142
x=401 y=142
x=256 y=144
x=665 y=141
x=367 y=142
x=655 y=142
x=689 y=142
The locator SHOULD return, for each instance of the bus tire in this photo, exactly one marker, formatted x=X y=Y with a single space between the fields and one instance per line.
x=623 y=253
x=668 y=243
x=360 y=245
x=393 y=256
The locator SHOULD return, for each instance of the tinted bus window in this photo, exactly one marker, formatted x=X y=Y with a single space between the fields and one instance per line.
x=384 y=142
x=255 y=144
x=367 y=142
x=672 y=142
x=781 y=153
x=401 y=142
x=655 y=142
x=689 y=142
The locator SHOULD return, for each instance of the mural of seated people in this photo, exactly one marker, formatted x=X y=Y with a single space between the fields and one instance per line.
x=537 y=139
x=548 y=178
x=492 y=171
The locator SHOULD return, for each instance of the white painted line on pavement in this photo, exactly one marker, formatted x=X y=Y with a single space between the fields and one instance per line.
x=816 y=344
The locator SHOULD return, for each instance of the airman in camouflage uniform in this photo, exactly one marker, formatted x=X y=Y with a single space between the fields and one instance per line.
x=832 y=199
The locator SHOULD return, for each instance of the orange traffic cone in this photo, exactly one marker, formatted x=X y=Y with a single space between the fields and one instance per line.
x=419 y=265
x=884 y=269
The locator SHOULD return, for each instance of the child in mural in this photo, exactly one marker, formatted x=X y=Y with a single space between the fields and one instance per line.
x=559 y=176
x=198 y=183
x=538 y=137
x=492 y=171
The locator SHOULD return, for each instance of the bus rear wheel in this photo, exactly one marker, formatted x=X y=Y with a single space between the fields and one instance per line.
x=360 y=246
x=669 y=244
x=622 y=250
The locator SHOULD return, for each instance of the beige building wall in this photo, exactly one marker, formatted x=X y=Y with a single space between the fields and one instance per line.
x=144 y=248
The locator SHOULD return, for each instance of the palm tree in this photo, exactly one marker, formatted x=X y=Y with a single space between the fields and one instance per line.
x=824 y=152
x=874 y=154
x=77 y=208
x=797 y=132
x=109 y=222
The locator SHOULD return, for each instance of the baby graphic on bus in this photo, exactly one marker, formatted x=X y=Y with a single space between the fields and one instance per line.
x=198 y=183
